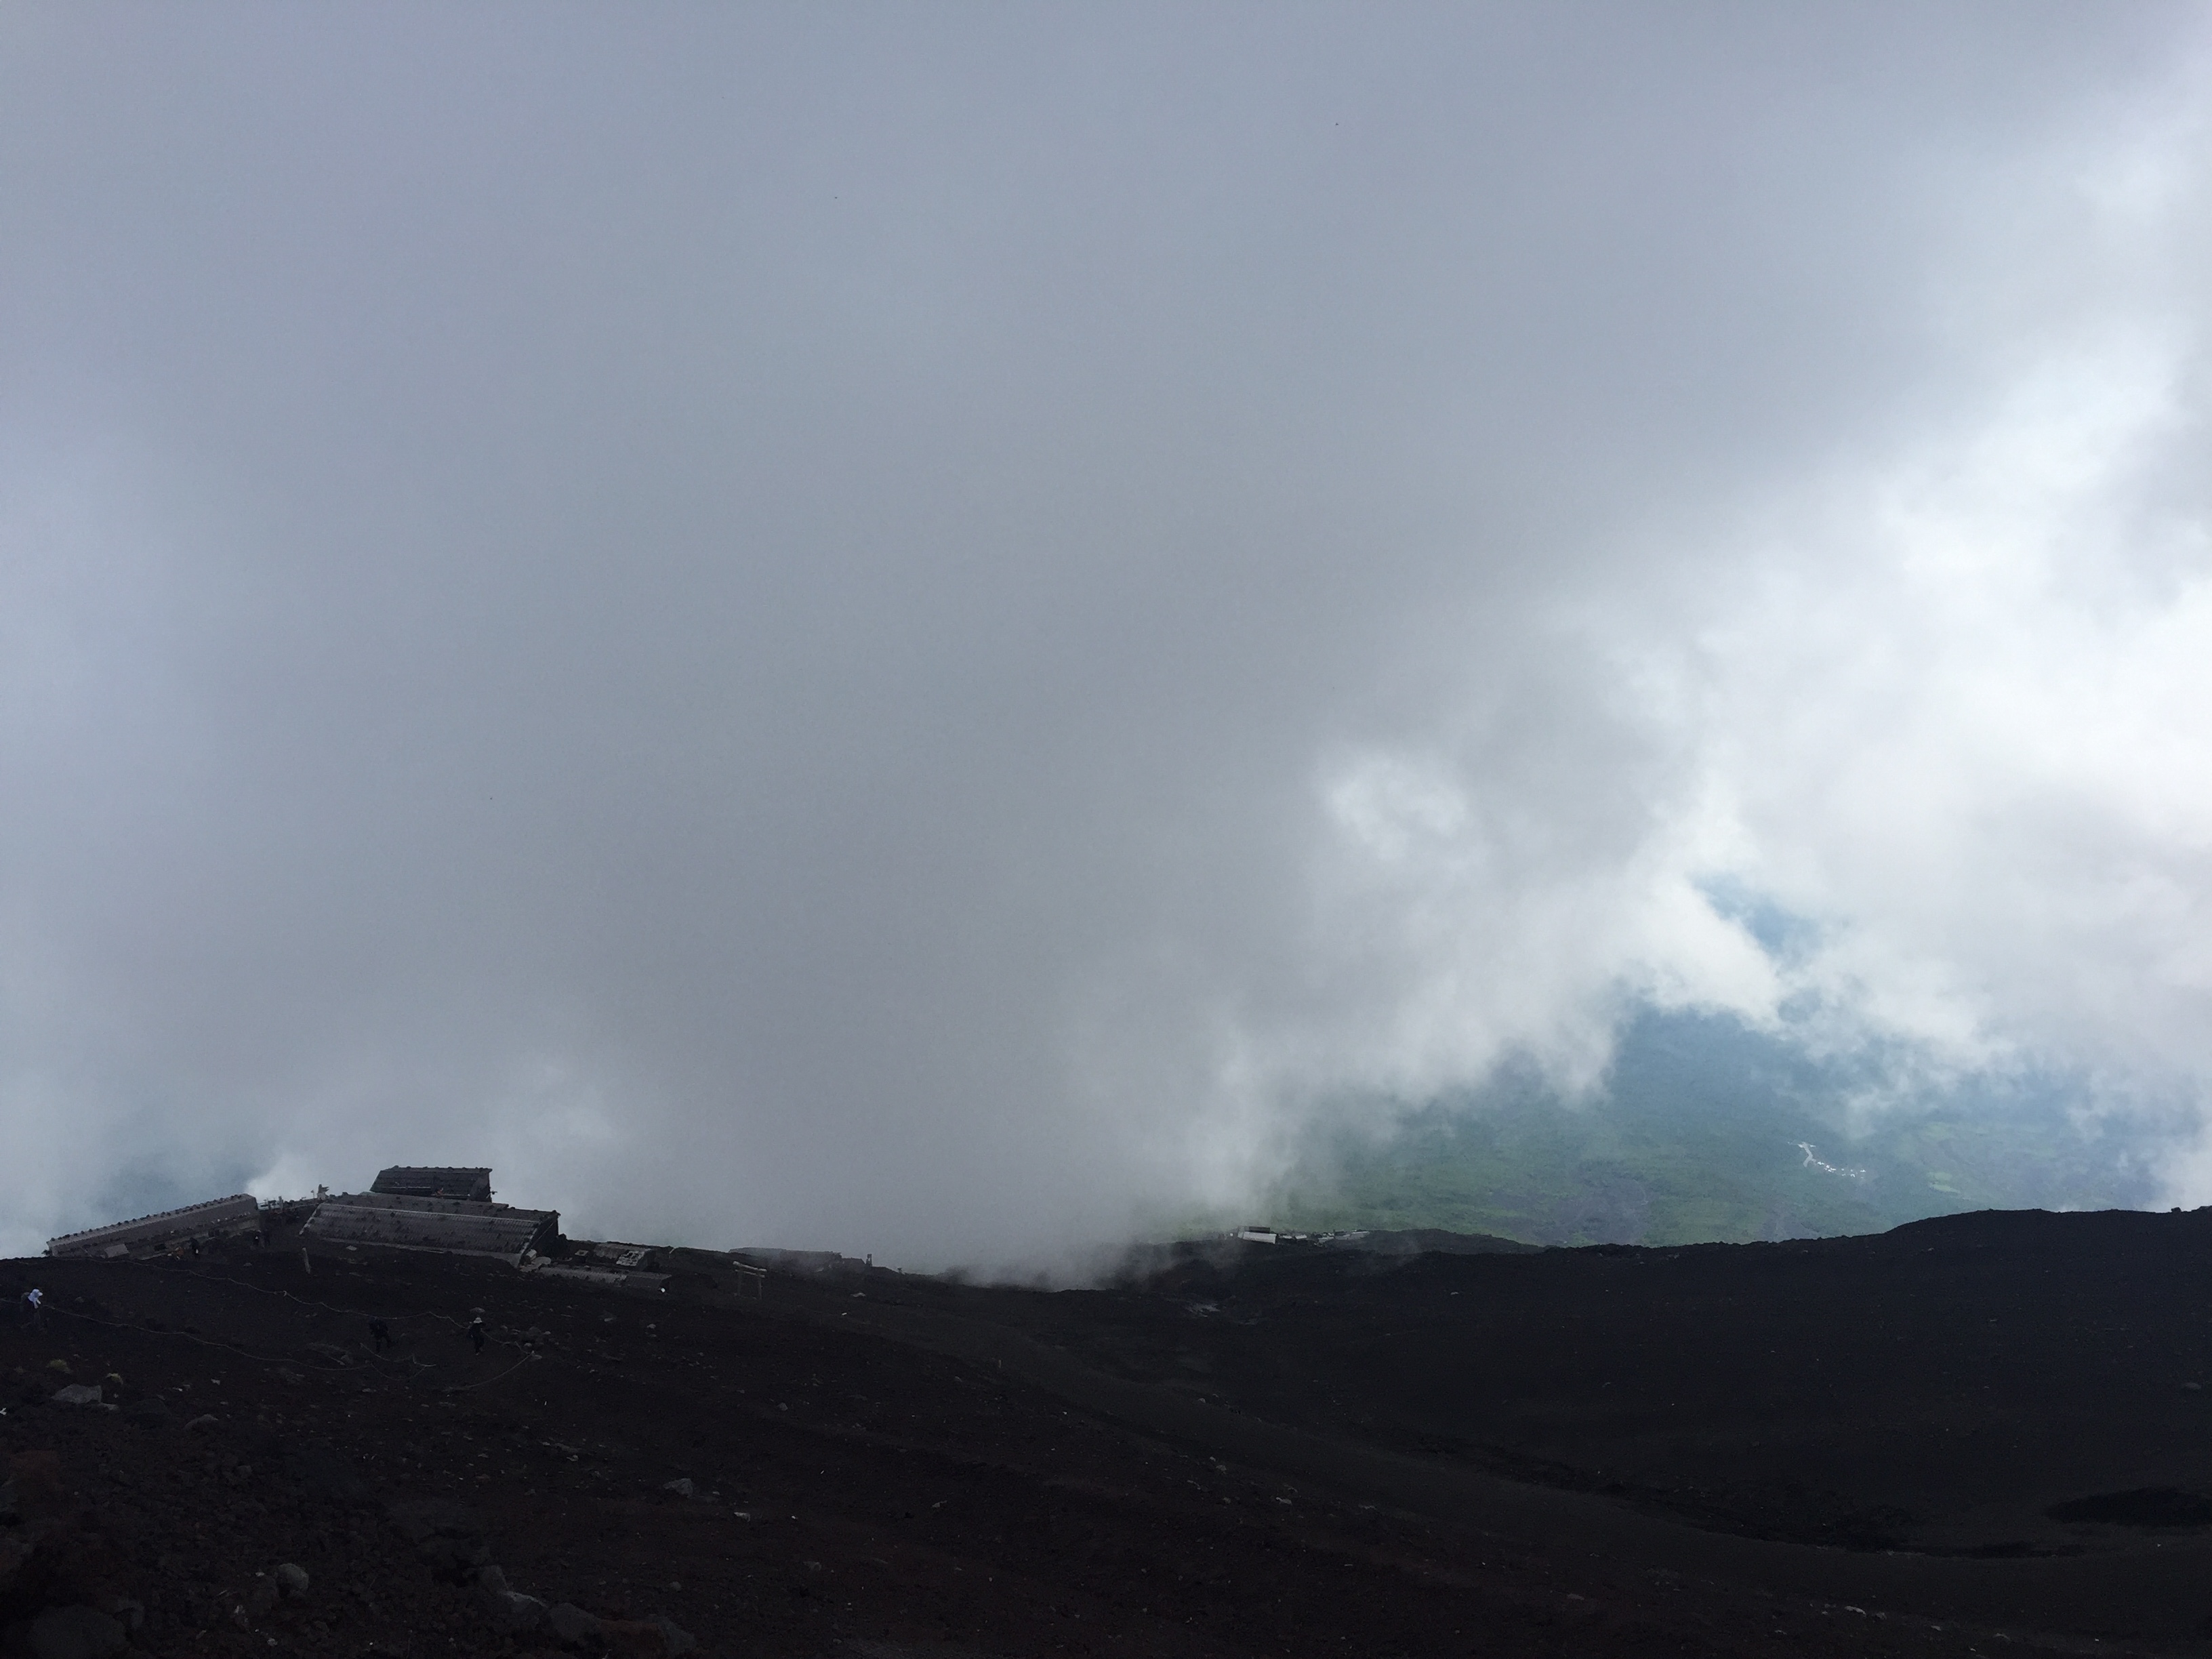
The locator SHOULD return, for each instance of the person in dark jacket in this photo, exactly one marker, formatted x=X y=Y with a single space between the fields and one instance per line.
x=380 y=1333
x=477 y=1331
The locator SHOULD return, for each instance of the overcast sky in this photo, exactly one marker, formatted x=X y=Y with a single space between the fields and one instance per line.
x=921 y=629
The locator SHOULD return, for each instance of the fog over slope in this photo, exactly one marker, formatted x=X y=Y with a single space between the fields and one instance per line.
x=932 y=630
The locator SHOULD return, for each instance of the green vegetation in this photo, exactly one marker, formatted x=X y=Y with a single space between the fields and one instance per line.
x=1708 y=1131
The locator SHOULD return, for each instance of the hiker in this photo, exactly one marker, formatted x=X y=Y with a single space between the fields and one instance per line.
x=476 y=1330
x=380 y=1333
x=34 y=1306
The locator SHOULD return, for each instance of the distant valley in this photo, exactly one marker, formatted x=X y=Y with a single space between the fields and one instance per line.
x=1710 y=1131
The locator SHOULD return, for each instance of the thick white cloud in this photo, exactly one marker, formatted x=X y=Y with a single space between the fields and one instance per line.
x=1941 y=696
x=921 y=631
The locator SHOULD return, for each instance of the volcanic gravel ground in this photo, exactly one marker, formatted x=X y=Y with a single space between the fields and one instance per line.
x=1801 y=1449
x=1936 y=1389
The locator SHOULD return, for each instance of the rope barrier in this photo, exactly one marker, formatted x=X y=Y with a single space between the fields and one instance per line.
x=311 y=1301
x=189 y=1336
x=528 y=1354
x=463 y=1387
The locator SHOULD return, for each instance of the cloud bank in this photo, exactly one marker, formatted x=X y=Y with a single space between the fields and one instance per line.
x=925 y=631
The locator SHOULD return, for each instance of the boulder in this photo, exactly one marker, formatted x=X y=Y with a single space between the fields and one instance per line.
x=648 y=1639
x=510 y=1610
x=455 y=1559
x=445 y=1534
x=572 y=1628
x=418 y=1520
x=128 y=1611
x=291 y=1580
x=515 y=1612
x=78 y=1393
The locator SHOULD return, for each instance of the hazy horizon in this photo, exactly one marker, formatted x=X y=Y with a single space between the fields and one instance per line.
x=947 y=631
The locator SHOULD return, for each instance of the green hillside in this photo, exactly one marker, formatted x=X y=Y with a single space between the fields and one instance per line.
x=1708 y=1131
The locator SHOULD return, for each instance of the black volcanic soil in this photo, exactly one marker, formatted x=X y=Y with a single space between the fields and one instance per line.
x=1969 y=1436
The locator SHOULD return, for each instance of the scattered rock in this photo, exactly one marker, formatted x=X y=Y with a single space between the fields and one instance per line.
x=572 y=1628
x=509 y=1611
x=420 y=1519
x=61 y=1365
x=76 y=1632
x=152 y=1409
x=682 y=1487
x=453 y=1559
x=206 y=1420
x=445 y=1534
x=78 y=1393
x=658 y=1637
x=262 y=1596
x=514 y=1612
x=290 y=1579
x=126 y=1611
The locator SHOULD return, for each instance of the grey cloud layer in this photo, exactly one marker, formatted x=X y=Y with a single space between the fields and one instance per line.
x=909 y=630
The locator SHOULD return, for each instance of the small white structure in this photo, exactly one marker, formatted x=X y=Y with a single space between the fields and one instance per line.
x=1256 y=1235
